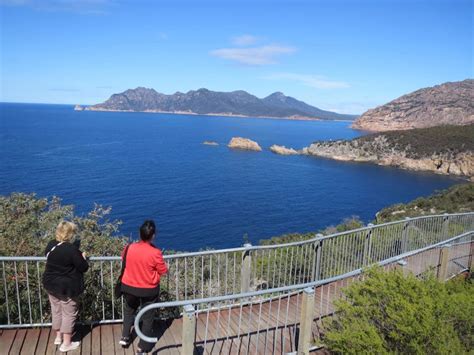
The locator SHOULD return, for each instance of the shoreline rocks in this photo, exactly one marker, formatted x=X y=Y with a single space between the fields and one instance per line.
x=210 y=143
x=379 y=151
x=79 y=108
x=244 y=144
x=282 y=150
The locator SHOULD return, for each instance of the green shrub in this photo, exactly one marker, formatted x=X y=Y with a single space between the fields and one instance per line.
x=458 y=198
x=388 y=312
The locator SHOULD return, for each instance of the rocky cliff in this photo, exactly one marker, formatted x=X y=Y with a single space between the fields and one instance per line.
x=443 y=150
x=207 y=102
x=445 y=104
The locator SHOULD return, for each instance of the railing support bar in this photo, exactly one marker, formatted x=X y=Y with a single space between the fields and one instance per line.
x=443 y=263
x=445 y=227
x=306 y=321
x=368 y=245
x=406 y=228
x=471 y=255
x=316 y=266
x=246 y=270
x=189 y=329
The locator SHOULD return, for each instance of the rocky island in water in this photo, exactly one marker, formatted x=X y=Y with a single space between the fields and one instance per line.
x=244 y=144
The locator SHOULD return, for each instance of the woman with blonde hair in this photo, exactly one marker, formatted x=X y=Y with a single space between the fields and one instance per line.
x=64 y=282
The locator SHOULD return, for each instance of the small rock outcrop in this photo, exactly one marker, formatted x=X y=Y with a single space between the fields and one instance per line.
x=282 y=150
x=445 y=104
x=210 y=143
x=244 y=144
x=78 y=108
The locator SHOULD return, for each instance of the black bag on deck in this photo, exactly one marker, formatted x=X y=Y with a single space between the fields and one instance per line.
x=118 y=284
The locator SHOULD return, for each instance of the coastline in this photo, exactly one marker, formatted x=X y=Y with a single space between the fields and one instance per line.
x=223 y=114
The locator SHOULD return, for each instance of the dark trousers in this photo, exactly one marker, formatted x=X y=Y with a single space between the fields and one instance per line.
x=131 y=305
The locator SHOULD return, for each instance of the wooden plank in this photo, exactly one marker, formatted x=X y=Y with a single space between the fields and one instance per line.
x=95 y=340
x=166 y=343
x=117 y=332
x=31 y=340
x=6 y=340
x=86 y=335
x=43 y=341
x=174 y=332
x=107 y=340
x=51 y=348
x=18 y=342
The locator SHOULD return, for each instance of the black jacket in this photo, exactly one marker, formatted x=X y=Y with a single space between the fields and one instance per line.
x=65 y=267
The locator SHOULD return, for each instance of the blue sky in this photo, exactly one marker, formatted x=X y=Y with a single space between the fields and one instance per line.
x=345 y=56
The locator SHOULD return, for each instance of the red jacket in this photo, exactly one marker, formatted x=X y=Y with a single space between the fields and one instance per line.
x=144 y=266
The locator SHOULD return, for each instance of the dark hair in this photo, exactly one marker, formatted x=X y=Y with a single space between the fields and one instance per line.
x=147 y=230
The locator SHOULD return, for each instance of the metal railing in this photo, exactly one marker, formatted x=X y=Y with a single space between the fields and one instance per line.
x=215 y=273
x=287 y=318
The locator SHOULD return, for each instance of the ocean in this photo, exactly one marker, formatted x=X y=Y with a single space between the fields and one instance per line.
x=154 y=166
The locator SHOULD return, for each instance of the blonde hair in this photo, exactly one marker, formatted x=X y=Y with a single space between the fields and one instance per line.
x=65 y=231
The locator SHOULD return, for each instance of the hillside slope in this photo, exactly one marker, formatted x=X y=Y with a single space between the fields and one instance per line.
x=446 y=104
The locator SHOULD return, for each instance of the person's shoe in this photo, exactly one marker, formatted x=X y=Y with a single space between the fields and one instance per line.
x=65 y=348
x=124 y=341
x=141 y=352
x=58 y=341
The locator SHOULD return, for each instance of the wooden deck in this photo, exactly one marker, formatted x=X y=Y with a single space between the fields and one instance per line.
x=268 y=327
x=276 y=332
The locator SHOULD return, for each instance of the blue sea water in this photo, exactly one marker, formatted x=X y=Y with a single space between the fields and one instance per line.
x=155 y=166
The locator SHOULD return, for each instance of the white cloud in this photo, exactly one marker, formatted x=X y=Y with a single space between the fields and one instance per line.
x=314 y=81
x=245 y=40
x=254 y=55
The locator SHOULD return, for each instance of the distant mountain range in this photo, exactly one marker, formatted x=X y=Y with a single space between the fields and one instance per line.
x=450 y=103
x=207 y=102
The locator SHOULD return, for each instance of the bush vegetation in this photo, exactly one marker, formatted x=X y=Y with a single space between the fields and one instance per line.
x=425 y=142
x=392 y=313
x=27 y=224
x=458 y=198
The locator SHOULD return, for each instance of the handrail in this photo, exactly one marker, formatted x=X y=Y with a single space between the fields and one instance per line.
x=232 y=271
x=298 y=287
x=255 y=247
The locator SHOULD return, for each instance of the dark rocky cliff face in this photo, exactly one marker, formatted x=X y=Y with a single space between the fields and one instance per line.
x=205 y=101
x=445 y=104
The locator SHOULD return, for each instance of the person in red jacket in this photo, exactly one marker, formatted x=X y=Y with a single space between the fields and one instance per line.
x=144 y=266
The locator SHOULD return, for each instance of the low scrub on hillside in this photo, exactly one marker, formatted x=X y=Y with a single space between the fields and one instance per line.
x=458 y=198
x=425 y=142
x=389 y=313
x=347 y=224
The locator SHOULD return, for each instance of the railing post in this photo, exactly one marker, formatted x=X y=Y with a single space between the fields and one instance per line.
x=445 y=227
x=317 y=261
x=443 y=262
x=367 y=245
x=306 y=321
x=471 y=255
x=189 y=329
x=246 y=270
x=404 y=241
